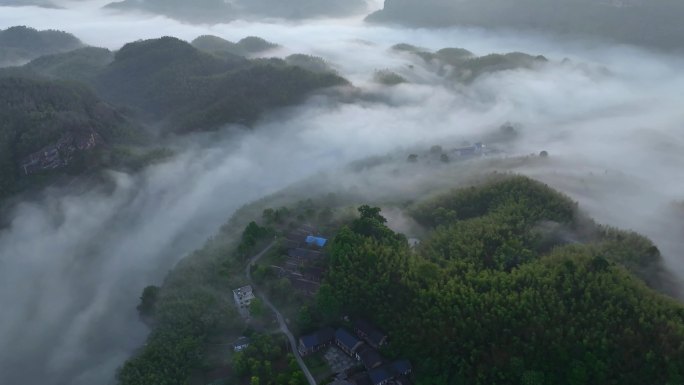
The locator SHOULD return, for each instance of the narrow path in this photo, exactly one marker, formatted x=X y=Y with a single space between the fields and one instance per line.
x=281 y=320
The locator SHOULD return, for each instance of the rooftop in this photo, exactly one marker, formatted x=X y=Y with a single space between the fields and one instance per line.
x=347 y=339
x=320 y=337
x=373 y=335
x=387 y=372
x=318 y=241
x=370 y=357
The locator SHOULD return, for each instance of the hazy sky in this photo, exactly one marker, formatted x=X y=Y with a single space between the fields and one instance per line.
x=73 y=265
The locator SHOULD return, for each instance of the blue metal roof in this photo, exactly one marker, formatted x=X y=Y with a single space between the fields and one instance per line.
x=402 y=366
x=388 y=372
x=321 y=337
x=310 y=341
x=379 y=375
x=318 y=241
x=346 y=338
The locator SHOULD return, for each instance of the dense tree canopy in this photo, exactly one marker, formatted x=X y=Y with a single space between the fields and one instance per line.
x=20 y=44
x=482 y=301
x=194 y=90
x=37 y=113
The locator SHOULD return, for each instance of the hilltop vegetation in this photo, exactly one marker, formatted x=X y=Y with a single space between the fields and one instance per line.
x=58 y=100
x=490 y=298
x=20 y=44
x=40 y=113
x=641 y=22
x=221 y=47
x=461 y=65
x=192 y=90
x=511 y=284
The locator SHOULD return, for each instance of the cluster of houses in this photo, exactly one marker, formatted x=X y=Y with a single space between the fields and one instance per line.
x=362 y=345
x=59 y=154
x=304 y=254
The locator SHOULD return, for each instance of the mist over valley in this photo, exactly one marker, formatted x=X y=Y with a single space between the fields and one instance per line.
x=139 y=139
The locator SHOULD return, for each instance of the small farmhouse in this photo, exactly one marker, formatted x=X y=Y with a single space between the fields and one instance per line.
x=241 y=344
x=348 y=343
x=370 y=333
x=243 y=297
x=316 y=241
x=370 y=358
x=314 y=342
x=385 y=374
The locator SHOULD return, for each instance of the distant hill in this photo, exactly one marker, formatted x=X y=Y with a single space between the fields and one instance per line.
x=211 y=11
x=301 y=9
x=19 y=45
x=26 y=3
x=247 y=46
x=50 y=126
x=215 y=11
x=308 y=62
x=170 y=79
x=655 y=23
x=462 y=65
x=181 y=88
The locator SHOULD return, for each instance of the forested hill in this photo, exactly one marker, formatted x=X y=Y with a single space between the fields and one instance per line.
x=20 y=44
x=215 y=11
x=163 y=87
x=504 y=292
x=47 y=126
x=651 y=23
x=190 y=89
x=511 y=284
x=222 y=47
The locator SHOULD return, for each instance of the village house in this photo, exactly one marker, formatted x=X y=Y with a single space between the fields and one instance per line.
x=314 y=342
x=348 y=343
x=312 y=241
x=241 y=344
x=243 y=298
x=387 y=373
x=475 y=150
x=370 y=358
x=370 y=333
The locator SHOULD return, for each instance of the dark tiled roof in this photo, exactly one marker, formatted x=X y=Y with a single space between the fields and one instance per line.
x=370 y=357
x=371 y=333
x=241 y=342
x=388 y=372
x=347 y=339
x=309 y=341
x=380 y=375
x=402 y=380
x=318 y=338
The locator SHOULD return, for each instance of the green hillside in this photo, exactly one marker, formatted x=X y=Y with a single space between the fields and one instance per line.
x=491 y=298
x=21 y=44
x=42 y=116
x=192 y=90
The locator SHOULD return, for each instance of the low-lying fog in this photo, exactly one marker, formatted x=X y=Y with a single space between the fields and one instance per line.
x=72 y=265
